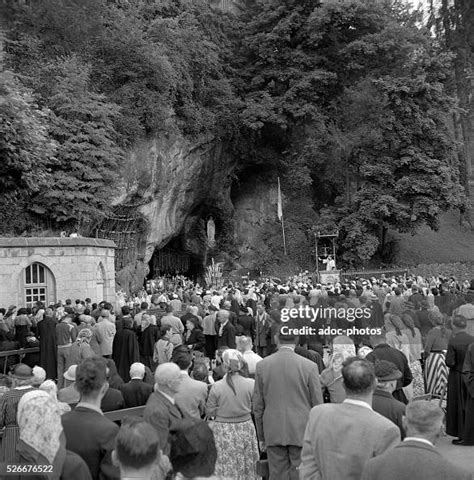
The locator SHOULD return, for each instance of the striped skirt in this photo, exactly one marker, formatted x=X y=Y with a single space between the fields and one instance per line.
x=237 y=450
x=436 y=373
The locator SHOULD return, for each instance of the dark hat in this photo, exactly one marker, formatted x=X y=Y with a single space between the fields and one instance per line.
x=386 y=371
x=459 y=321
x=193 y=450
x=21 y=371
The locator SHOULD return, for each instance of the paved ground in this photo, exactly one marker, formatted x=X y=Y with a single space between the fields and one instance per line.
x=462 y=456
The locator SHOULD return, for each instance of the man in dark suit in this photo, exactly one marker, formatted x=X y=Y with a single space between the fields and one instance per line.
x=457 y=391
x=226 y=331
x=161 y=410
x=383 y=351
x=112 y=400
x=286 y=388
x=88 y=432
x=136 y=392
x=341 y=437
x=416 y=456
x=383 y=402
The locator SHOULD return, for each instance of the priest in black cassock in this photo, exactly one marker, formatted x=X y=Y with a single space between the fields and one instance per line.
x=457 y=391
x=468 y=373
x=46 y=333
x=125 y=349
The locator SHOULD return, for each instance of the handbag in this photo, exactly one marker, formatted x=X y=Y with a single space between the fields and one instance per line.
x=263 y=469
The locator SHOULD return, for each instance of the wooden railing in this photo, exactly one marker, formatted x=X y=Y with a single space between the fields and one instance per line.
x=119 y=415
x=21 y=352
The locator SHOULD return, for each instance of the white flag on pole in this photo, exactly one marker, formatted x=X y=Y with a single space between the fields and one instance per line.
x=279 y=206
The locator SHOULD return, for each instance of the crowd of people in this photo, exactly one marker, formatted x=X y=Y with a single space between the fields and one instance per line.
x=227 y=393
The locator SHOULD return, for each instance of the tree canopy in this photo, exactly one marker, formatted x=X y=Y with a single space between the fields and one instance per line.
x=348 y=101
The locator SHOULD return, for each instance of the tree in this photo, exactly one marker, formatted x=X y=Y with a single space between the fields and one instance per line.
x=84 y=169
x=25 y=152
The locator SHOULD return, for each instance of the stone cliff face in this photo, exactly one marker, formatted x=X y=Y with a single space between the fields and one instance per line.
x=178 y=183
x=255 y=204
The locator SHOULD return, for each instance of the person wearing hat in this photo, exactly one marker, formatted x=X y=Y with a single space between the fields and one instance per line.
x=69 y=394
x=22 y=378
x=457 y=392
x=387 y=375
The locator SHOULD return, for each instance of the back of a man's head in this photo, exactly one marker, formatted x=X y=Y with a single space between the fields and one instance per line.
x=182 y=358
x=144 y=306
x=243 y=343
x=165 y=374
x=423 y=418
x=137 y=370
x=358 y=376
x=137 y=445
x=91 y=376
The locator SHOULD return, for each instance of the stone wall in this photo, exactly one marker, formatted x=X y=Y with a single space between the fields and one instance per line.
x=81 y=268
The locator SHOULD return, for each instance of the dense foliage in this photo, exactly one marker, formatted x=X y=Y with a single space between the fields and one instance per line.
x=345 y=100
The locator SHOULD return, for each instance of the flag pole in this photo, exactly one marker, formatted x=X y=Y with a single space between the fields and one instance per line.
x=280 y=215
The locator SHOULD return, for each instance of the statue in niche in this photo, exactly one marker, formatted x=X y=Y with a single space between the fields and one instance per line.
x=211 y=232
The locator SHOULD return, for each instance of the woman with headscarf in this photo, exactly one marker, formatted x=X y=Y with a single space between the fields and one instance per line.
x=51 y=389
x=397 y=338
x=416 y=348
x=81 y=348
x=147 y=335
x=230 y=405
x=436 y=347
x=42 y=440
x=331 y=377
x=22 y=378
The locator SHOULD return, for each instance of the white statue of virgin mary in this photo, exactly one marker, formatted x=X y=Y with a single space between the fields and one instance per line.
x=211 y=232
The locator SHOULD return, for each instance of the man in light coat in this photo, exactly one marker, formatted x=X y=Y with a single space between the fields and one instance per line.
x=105 y=332
x=286 y=388
x=341 y=438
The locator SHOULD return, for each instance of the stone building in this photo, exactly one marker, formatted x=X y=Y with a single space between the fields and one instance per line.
x=52 y=269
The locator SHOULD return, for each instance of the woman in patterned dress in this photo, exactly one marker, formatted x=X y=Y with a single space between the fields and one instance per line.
x=22 y=377
x=230 y=404
x=436 y=346
x=416 y=349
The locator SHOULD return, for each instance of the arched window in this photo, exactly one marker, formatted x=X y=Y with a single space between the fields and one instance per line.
x=39 y=285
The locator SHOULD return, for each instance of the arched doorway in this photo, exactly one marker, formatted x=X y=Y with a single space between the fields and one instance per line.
x=39 y=285
x=100 y=283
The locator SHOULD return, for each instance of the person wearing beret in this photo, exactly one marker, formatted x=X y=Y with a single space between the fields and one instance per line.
x=387 y=375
